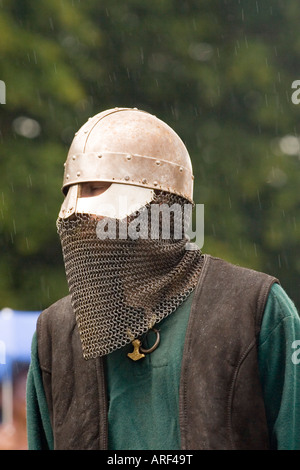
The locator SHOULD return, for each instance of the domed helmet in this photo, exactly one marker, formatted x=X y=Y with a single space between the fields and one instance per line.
x=132 y=150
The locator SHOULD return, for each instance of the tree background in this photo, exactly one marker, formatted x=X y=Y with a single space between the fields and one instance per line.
x=218 y=72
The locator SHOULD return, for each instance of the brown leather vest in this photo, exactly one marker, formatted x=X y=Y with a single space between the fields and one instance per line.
x=221 y=404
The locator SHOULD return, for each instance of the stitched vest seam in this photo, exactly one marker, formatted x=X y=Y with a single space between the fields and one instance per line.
x=232 y=390
x=41 y=330
x=102 y=404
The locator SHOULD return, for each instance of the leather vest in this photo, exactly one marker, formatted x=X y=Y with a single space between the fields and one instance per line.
x=220 y=398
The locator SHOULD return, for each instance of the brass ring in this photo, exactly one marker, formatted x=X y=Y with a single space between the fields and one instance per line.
x=157 y=341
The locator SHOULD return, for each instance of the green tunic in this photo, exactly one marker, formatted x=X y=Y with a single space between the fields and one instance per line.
x=143 y=396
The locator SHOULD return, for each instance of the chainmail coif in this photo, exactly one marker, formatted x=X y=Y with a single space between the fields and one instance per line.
x=120 y=288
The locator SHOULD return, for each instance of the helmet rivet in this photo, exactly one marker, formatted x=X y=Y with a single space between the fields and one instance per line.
x=64 y=164
x=74 y=157
x=144 y=181
x=128 y=157
x=157 y=162
x=78 y=173
x=99 y=156
x=68 y=176
x=126 y=178
x=155 y=183
x=181 y=169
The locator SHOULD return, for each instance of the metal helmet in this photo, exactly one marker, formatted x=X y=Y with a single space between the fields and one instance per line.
x=127 y=146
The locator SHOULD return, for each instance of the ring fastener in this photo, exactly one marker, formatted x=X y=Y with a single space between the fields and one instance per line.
x=155 y=345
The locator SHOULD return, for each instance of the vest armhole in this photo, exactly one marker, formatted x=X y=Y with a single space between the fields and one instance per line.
x=262 y=300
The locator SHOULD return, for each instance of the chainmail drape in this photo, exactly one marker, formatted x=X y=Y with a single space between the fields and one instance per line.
x=120 y=288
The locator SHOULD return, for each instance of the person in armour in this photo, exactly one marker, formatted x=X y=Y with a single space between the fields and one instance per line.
x=158 y=346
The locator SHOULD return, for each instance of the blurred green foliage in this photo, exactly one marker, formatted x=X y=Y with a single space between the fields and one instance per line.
x=219 y=72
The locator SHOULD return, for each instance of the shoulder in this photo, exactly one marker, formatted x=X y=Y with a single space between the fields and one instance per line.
x=57 y=315
x=280 y=315
x=55 y=329
x=237 y=288
x=280 y=300
x=223 y=269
